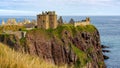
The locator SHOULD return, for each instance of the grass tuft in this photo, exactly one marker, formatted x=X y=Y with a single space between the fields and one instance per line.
x=11 y=59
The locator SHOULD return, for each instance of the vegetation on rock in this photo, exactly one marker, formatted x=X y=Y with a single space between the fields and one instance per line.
x=11 y=28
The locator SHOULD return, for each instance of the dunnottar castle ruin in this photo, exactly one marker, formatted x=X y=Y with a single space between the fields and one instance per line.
x=46 y=20
x=49 y=20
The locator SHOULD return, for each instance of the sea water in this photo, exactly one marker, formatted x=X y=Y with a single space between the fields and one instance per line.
x=109 y=29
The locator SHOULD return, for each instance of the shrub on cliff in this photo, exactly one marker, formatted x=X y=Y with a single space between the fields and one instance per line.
x=11 y=27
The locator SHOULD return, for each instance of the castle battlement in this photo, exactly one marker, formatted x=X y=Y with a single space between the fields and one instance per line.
x=48 y=13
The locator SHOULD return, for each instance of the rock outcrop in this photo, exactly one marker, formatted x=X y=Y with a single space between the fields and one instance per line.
x=11 y=40
x=67 y=46
x=71 y=21
x=78 y=46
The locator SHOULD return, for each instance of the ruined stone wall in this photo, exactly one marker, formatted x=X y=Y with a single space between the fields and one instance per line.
x=18 y=34
x=81 y=23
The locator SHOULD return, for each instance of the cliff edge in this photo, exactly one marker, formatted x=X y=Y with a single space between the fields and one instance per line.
x=76 y=46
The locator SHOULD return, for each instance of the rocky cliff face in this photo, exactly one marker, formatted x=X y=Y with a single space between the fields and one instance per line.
x=66 y=45
x=11 y=40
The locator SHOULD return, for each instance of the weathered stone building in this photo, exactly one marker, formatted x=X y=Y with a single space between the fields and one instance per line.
x=83 y=22
x=47 y=20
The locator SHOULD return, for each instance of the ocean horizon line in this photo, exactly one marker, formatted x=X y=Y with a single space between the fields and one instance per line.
x=58 y=15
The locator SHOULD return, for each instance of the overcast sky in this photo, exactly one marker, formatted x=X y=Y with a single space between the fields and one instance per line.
x=62 y=7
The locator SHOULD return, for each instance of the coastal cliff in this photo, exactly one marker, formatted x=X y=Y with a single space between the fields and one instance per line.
x=77 y=47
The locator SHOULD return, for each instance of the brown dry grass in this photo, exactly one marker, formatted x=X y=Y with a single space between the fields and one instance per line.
x=11 y=59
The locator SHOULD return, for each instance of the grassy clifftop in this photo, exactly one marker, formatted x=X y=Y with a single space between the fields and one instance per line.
x=58 y=31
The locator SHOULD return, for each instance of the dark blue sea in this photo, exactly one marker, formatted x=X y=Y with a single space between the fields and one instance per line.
x=109 y=28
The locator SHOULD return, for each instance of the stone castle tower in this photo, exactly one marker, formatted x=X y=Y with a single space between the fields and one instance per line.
x=88 y=20
x=47 y=20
